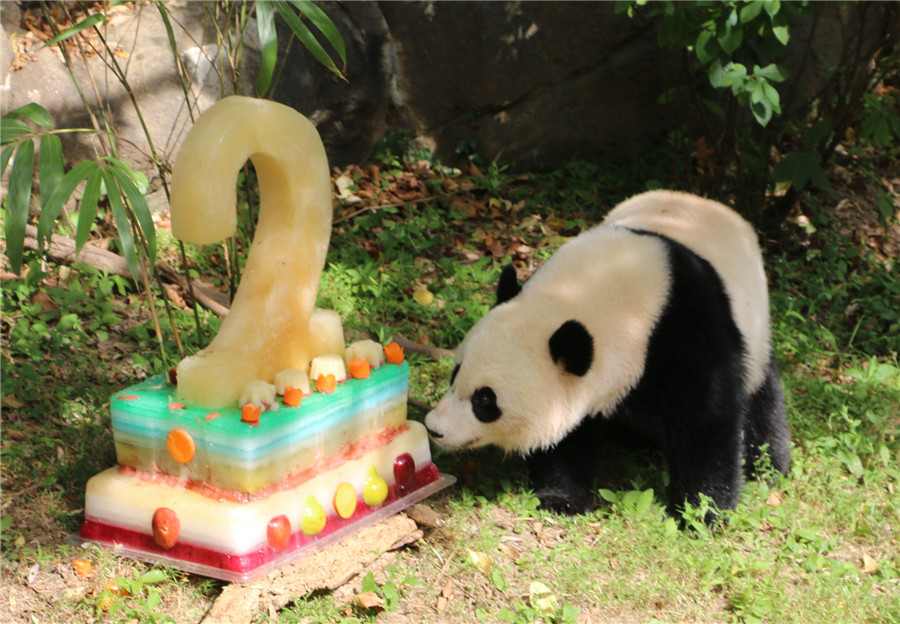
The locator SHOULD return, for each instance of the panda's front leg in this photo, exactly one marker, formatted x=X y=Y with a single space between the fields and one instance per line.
x=563 y=476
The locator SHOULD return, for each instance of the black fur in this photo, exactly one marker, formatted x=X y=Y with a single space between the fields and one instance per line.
x=690 y=402
x=767 y=424
x=484 y=405
x=508 y=284
x=572 y=346
x=563 y=477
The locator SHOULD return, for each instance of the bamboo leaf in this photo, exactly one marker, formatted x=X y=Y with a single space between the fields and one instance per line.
x=306 y=37
x=123 y=223
x=88 y=209
x=321 y=21
x=170 y=33
x=17 y=201
x=51 y=168
x=268 y=44
x=35 y=112
x=88 y=22
x=12 y=129
x=60 y=195
x=5 y=155
x=139 y=207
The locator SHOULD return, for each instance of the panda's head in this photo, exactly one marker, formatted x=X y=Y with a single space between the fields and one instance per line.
x=516 y=374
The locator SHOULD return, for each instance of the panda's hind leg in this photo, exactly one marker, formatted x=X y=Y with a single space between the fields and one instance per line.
x=563 y=476
x=705 y=462
x=766 y=425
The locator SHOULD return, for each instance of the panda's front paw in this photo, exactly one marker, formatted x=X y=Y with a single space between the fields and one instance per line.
x=563 y=503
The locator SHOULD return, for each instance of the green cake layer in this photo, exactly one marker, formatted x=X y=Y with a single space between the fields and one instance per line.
x=287 y=441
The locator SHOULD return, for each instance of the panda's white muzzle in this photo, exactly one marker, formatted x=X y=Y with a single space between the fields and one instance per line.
x=450 y=424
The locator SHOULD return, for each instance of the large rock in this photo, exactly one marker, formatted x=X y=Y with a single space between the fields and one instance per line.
x=532 y=83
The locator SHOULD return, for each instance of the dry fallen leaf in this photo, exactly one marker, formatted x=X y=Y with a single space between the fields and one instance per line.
x=368 y=600
x=774 y=499
x=509 y=551
x=870 y=565
x=480 y=560
x=425 y=516
x=445 y=596
x=542 y=599
x=422 y=295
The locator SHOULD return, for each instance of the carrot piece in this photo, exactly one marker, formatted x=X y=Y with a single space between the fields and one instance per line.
x=181 y=446
x=393 y=353
x=250 y=413
x=106 y=600
x=359 y=368
x=326 y=383
x=83 y=567
x=292 y=396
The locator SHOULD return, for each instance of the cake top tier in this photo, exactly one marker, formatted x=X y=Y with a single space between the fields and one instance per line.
x=151 y=410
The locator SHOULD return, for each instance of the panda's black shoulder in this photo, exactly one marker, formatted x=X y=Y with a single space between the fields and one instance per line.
x=697 y=305
x=686 y=267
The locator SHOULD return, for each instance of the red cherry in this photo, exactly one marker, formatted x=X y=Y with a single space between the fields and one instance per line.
x=173 y=376
x=279 y=532
x=166 y=527
x=404 y=472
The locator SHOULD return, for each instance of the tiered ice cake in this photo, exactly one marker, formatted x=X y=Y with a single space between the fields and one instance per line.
x=232 y=495
x=312 y=442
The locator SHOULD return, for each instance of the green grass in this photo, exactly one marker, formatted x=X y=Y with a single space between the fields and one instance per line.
x=820 y=546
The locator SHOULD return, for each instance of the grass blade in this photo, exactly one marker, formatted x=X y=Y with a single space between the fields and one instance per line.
x=88 y=22
x=321 y=21
x=17 y=201
x=139 y=206
x=88 y=209
x=306 y=37
x=268 y=44
x=51 y=168
x=51 y=208
x=35 y=112
x=123 y=223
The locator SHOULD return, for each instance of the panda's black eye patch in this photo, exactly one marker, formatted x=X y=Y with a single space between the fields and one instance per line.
x=484 y=405
x=453 y=374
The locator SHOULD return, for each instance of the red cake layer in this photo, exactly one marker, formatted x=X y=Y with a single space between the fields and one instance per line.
x=241 y=564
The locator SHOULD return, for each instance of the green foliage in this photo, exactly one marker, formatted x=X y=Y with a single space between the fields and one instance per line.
x=740 y=48
x=135 y=598
x=126 y=202
x=268 y=37
x=731 y=41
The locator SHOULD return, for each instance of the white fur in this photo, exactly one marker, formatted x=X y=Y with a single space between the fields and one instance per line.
x=616 y=283
x=723 y=238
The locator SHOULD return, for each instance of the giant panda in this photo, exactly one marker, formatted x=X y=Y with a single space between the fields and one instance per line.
x=654 y=322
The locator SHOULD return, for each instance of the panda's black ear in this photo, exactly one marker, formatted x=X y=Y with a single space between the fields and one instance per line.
x=508 y=284
x=572 y=346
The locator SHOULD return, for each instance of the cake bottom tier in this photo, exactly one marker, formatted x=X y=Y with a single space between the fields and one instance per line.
x=239 y=542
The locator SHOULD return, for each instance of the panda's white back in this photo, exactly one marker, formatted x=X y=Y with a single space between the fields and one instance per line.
x=723 y=238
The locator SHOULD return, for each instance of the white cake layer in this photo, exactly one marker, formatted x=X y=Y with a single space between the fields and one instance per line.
x=129 y=502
